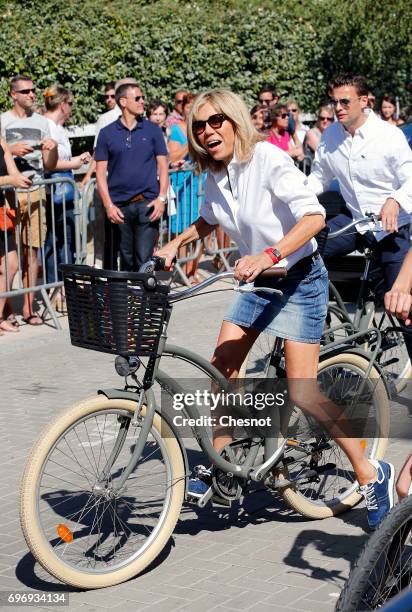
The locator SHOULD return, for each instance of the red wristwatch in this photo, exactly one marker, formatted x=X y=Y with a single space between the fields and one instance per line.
x=274 y=254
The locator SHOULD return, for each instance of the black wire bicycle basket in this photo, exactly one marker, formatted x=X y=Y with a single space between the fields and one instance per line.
x=114 y=312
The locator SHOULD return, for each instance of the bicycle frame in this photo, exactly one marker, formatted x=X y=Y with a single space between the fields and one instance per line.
x=273 y=451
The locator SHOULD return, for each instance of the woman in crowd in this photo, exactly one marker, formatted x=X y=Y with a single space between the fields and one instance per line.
x=388 y=109
x=60 y=244
x=185 y=184
x=279 y=135
x=157 y=113
x=9 y=175
x=300 y=128
x=325 y=118
x=261 y=200
x=257 y=114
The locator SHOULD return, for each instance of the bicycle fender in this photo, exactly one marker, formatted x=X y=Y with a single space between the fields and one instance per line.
x=132 y=396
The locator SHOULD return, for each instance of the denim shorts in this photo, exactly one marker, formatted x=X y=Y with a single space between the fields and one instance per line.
x=298 y=314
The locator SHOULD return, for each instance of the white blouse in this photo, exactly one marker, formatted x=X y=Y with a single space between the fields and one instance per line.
x=258 y=202
x=59 y=134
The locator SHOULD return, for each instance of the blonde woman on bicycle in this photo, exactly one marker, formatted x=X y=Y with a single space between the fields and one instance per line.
x=256 y=194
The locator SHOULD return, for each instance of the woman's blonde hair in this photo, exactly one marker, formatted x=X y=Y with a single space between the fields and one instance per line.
x=231 y=105
x=55 y=95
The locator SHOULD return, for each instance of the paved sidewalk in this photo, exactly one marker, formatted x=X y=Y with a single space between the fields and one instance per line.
x=256 y=557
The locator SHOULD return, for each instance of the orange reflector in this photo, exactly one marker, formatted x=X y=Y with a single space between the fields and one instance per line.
x=292 y=442
x=363 y=444
x=64 y=533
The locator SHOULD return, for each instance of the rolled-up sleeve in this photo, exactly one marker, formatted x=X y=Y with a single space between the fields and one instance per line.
x=289 y=185
x=402 y=167
x=320 y=176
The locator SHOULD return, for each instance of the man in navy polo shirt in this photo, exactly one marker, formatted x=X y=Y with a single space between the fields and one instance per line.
x=132 y=177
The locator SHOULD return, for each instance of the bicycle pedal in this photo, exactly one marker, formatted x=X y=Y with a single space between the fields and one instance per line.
x=220 y=502
x=199 y=501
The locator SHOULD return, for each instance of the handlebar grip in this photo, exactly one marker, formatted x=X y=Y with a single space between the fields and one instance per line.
x=159 y=262
x=279 y=272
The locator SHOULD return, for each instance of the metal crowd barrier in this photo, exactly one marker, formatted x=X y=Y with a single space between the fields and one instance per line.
x=42 y=241
x=77 y=234
x=185 y=196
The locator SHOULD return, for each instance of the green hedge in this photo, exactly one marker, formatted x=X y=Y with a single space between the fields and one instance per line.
x=237 y=44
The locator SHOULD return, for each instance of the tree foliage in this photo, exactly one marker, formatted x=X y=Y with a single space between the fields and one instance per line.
x=239 y=44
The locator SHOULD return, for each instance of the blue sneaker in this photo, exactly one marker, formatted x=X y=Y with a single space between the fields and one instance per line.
x=199 y=485
x=379 y=494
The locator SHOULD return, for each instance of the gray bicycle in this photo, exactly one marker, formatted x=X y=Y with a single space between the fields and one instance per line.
x=104 y=485
x=341 y=324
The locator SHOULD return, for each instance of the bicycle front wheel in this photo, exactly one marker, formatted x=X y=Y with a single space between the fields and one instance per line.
x=384 y=567
x=79 y=526
x=333 y=487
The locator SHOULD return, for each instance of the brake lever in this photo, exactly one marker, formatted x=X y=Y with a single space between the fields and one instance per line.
x=251 y=289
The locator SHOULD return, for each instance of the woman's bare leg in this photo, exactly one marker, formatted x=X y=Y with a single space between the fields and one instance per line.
x=301 y=370
x=11 y=265
x=233 y=345
x=404 y=479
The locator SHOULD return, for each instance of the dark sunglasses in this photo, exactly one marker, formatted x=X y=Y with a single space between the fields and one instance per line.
x=179 y=101
x=265 y=102
x=294 y=110
x=138 y=98
x=345 y=102
x=330 y=119
x=111 y=96
x=215 y=122
x=26 y=91
x=69 y=102
x=282 y=116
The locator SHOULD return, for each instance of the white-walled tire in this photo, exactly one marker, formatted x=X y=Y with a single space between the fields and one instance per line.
x=113 y=536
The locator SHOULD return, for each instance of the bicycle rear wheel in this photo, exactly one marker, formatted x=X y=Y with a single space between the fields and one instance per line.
x=333 y=487
x=257 y=362
x=393 y=358
x=384 y=567
x=75 y=523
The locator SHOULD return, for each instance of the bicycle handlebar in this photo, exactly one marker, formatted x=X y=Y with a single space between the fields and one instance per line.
x=271 y=273
x=370 y=217
x=156 y=263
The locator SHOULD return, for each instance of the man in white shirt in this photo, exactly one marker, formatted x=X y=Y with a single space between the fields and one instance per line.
x=372 y=162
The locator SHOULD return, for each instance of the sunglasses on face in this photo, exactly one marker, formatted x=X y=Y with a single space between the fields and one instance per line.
x=69 y=102
x=282 y=116
x=265 y=102
x=344 y=102
x=179 y=101
x=25 y=91
x=109 y=96
x=322 y=118
x=294 y=110
x=138 y=98
x=215 y=122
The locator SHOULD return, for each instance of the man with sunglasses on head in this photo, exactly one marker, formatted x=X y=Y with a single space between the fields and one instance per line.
x=28 y=135
x=177 y=113
x=372 y=162
x=130 y=156
x=269 y=98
